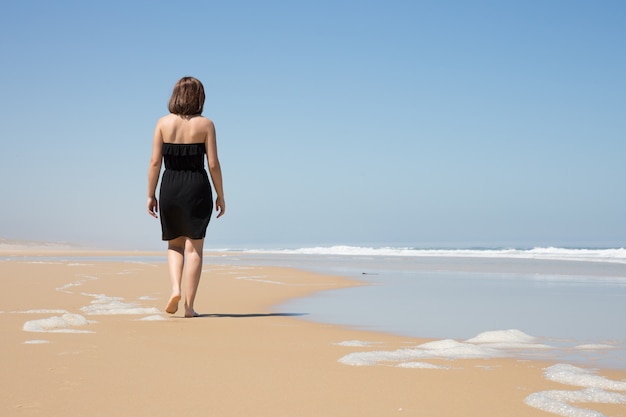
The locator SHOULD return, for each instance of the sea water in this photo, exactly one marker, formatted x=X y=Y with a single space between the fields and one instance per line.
x=543 y=303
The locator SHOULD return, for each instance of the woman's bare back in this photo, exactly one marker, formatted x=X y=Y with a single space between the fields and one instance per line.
x=184 y=129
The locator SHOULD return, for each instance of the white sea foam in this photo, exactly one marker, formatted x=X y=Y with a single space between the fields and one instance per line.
x=507 y=339
x=259 y=278
x=420 y=365
x=500 y=343
x=616 y=255
x=154 y=317
x=597 y=389
x=147 y=298
x=559 y=401
x=40 y=311
x=355 y=343
x=573 y=375
x=58 y=324
x=105 y=305
x=451 y=349
x=446 y=349
x=44 y=262
x=77 y=283
x=499 y=336
x=36 y=342
x=594 y=346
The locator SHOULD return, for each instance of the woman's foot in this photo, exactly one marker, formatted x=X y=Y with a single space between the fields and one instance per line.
x=191 y=313
x=172 y=305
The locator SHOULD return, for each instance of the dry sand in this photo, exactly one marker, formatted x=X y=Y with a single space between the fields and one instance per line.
x=239 y=360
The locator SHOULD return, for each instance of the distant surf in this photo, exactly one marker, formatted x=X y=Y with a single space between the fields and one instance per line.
x=613 y=255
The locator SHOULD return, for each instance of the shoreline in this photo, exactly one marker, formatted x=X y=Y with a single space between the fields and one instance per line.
x=243 y=357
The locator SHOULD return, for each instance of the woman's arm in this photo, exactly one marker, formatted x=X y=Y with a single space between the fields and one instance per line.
x=154 y=170
x=215 y=169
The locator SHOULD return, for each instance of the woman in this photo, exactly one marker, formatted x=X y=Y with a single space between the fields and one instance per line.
x=181 y=139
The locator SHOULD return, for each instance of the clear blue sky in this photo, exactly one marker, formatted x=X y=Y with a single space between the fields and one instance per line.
x=421 y=123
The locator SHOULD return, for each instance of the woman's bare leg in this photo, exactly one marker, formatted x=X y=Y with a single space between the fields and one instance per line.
x=193 y=270
x=175 y=261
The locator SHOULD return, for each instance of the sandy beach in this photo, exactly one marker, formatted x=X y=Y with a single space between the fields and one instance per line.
x=90 y=338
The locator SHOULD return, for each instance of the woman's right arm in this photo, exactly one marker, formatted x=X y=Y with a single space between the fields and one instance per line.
x=215 y=169
x=154 y=170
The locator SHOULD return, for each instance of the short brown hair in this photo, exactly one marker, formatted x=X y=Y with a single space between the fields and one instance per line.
x=187 y=98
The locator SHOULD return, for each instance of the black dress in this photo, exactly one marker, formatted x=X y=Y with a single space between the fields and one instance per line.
x=185 y=199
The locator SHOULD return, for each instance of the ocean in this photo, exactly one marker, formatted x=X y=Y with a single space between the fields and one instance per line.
x=542 y=303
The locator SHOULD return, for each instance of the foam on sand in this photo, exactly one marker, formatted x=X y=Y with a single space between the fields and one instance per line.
x=40 y=311
x=147 y=298
x=65 y=288
x=106 y=305
x=446 y=349
x=484 y=346
x=596 y=389
x=573 y=375
x=154 y=317
x=420 y=365
x=58 y=324
x=355 y=343
x=505 y=343
x=259 y=278
x=594 y=346
x=507 y=339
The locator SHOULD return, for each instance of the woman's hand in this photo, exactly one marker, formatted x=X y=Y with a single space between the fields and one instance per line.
x=153 y=207
x=220 y=207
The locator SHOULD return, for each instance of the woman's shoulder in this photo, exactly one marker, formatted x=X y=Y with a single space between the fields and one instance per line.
x=173 y=119
x=202 y=121
x=168 y=119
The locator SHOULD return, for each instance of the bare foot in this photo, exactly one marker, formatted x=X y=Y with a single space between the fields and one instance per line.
x=191 y=313
x=172 y=305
